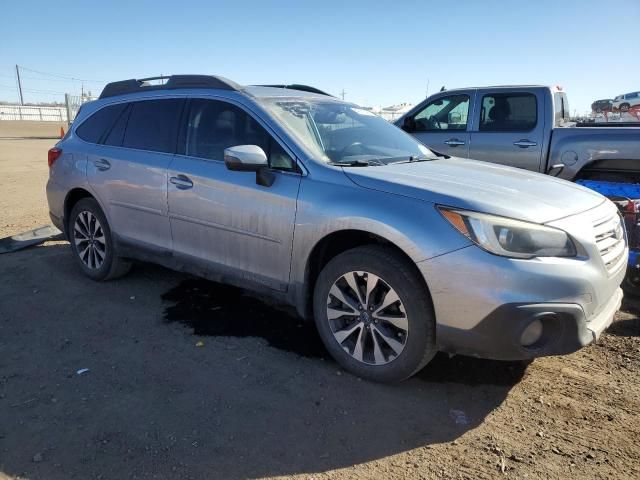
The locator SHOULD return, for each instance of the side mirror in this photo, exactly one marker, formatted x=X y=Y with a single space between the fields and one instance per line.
x=408 y=124
x=245 y=158
x=249 y=158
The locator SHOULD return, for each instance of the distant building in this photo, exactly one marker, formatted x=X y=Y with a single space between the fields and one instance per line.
x=392 y=112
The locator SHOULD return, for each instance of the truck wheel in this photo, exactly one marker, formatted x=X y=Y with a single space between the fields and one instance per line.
x=374 y=314
x=92 y=244
x=631 y=283
x=624 y=107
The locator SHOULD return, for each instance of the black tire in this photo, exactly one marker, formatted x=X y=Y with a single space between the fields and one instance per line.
x=112 y=266
x=625 y=107
x=631 y=283
x=400 y=275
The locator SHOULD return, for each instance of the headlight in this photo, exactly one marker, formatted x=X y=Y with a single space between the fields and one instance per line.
x=510 y=238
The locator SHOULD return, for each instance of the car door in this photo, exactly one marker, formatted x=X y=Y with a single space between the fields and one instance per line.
x=508 y=128
x=222 y=220
x=128 y=171
x=442 y=123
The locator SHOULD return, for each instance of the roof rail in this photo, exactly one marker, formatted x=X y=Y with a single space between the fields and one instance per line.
x=174 y=81
x=297 y=86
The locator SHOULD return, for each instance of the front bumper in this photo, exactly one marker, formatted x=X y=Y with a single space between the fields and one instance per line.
x=565 y=330
x=483 y=303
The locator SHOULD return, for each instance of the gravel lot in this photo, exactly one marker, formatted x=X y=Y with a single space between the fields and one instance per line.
x=240 y=399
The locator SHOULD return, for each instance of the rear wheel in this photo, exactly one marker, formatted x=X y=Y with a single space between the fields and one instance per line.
x=92 y=244
x=374 y=314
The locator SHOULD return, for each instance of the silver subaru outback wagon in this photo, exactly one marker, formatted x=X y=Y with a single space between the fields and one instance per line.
x=395 y=253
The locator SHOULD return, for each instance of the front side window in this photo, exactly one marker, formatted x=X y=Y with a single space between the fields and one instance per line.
x=509 y=112
x=338 y=132
x=153 y=125
x=215 y=125
x=445 y=113
x=94 y=128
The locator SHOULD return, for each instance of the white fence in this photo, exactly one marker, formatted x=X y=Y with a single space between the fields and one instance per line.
x=33 y=113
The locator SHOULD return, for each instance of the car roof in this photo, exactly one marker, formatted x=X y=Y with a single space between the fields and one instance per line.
x=260 y=92
x=173 y=83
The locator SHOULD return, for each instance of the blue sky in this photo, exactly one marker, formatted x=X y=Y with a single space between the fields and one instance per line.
x=379 y=52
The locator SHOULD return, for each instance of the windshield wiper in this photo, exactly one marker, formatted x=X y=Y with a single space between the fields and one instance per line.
x=358 y=163
x=413 y=159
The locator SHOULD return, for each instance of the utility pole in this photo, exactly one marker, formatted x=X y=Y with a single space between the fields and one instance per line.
x=427 y=88
x=342 y=93
x=19 y=85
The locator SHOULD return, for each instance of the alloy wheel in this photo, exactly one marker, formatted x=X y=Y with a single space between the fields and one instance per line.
x=367 y=318
x=89 y=239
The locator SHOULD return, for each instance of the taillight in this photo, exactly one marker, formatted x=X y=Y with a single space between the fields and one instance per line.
x=53 y=155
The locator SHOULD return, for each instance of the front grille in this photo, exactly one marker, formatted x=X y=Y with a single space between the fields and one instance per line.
x=610 y=239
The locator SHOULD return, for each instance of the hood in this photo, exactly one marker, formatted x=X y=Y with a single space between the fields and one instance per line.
x=480 y=186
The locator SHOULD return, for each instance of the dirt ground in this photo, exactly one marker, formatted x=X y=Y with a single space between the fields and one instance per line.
x=240 y=399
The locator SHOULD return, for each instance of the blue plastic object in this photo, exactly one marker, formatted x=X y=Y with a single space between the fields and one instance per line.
x=613 y=189
x=634 y=258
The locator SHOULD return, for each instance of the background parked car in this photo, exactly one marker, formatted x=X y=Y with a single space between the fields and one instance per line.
x=626 y=101
x=600 y=106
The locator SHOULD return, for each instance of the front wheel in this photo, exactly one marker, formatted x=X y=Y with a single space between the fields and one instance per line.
x=92 y=243
x=625 y=107
x=374 y=314
x=631 y=283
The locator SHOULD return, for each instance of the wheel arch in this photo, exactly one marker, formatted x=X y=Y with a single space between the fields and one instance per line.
x=74 y=196
x=333 y=244
x=611 y=168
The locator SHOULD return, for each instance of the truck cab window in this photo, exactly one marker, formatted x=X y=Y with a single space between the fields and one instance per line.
x=444 y=113
x=510 y=112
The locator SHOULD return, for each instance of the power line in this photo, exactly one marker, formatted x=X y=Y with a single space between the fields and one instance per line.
x=59 y=75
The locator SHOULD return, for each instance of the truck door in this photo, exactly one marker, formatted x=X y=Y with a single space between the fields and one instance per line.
x=442 y=123
x=508 y=129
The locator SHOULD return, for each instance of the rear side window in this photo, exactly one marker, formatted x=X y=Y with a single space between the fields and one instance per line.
x=214 y=125
x=97 y=125
x=508 y=112
x=153 y=125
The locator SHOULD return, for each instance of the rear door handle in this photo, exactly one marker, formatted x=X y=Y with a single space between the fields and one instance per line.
x=524 y=143
x=181 y=182
x=454 y=142
x=102 y=164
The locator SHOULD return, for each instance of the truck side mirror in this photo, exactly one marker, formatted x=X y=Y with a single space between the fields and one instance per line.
x=409 y=124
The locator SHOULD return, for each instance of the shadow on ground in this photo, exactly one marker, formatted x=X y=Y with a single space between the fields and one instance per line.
x=628 y=325
x=153 y=404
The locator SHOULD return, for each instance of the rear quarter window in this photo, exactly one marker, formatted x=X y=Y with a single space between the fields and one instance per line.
x=97 y=125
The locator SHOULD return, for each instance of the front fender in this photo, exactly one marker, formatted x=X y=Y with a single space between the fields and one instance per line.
x=414 y=226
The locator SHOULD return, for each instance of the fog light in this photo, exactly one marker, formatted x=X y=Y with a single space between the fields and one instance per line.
x=531 y=334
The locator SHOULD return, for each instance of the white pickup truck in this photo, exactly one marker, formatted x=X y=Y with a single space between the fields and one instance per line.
x=528 y=127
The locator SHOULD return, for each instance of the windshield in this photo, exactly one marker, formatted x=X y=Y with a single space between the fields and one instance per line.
x=343 y=133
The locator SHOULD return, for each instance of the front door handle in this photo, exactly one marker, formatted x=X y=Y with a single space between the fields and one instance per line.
x=524 y=143
x=102 y=164
x=454 y=142
x=181 y=182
